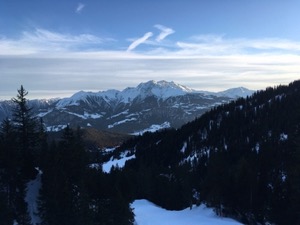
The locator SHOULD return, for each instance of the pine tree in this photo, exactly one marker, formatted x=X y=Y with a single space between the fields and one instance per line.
x=64 y=199
x=25 y=126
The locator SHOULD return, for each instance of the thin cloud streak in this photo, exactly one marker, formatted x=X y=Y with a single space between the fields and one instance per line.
x=165 y=31
x=41 y=40
x=139 y=41
x=216 y=45
x=80 y=7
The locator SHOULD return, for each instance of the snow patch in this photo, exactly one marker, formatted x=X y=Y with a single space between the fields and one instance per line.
x=55 y=128
x=31 y=198
x=183 y=147
x=121 y=122
x=153 y=128
x=42 y=114
x=86 y=115
x=283 y=137
x=119 y=114
x=120 y=163
x=147 y=213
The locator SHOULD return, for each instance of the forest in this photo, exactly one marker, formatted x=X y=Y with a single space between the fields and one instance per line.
x=71 y=192
x=241 y=158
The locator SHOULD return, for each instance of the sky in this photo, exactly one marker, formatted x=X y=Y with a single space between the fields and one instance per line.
x=55 y=48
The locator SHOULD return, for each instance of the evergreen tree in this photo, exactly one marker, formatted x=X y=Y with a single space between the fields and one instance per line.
x=64 y=199
x=18 y=158
x=25 y=128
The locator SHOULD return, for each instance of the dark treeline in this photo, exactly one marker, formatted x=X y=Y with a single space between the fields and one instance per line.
x=71 y=192
x=241 y=158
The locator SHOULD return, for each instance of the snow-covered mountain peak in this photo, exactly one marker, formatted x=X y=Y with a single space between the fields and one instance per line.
x=74 y=99
x=162 y=89
x=159 y=89
x=236 y=92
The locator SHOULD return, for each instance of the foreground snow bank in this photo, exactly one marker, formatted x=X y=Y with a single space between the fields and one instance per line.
x=146 y=213
x=33 y=188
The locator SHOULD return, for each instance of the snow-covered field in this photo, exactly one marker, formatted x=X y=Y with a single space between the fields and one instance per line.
x=146 y=213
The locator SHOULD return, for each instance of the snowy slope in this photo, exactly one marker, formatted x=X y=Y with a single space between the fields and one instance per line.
x=31 y=198
x=235 y=92
x=146 y=213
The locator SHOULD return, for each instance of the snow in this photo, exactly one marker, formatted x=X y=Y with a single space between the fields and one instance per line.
x=108 y=150
x=120 y=122
x=190 y=159
x=42 y=114
x=283 y=137
x=96 y=166
x=160 y=89
x=86 y=115
x=92 y=115
x=33 y=188
x=235 y=92
x=146 y=213
x=120 y=163
x=55 y=128
x=283 y=176
x=183 y=147
x=153 y=128
x=119 y=114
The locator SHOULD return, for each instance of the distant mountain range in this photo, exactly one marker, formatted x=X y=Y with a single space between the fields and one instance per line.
x=148 y=107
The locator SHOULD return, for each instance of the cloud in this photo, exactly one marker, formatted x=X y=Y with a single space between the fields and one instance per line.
x=218 y=45
x=165 y=31
x=80 y=7
x=71 y=72
x=65 y=63
x=139 y=41
x=41 y=40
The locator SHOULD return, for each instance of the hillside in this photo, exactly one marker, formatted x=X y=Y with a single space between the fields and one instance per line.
x=241 y=158
x=94 y=139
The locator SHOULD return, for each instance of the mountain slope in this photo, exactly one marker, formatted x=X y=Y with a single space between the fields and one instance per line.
x=241 y=158
x=132 y=110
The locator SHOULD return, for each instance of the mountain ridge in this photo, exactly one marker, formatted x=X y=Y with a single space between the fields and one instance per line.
x=161 y=89
x=131 y=110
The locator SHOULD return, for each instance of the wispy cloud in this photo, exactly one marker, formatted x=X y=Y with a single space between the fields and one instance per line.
x=165 y=31
x=218 y=45
x=139 y=41
x=41 y=40
x=80 y=7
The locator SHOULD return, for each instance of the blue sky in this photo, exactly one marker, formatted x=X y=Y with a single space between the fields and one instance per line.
x=55 y=48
